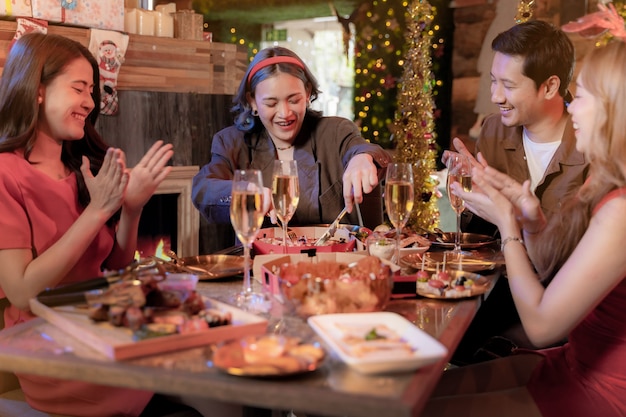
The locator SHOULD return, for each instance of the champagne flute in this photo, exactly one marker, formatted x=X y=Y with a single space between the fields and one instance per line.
x=285 y=193
x=459 y=170
x=246 y=216
x=399 y=198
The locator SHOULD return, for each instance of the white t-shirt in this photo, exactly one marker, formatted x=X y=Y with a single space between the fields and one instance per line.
x=538 y=156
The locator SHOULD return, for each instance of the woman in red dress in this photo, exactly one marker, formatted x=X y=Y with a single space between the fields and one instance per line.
x=69 y=206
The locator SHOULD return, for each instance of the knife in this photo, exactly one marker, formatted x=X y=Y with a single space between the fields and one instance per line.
x=123 y=293
x=105 y=281
x=330 y=232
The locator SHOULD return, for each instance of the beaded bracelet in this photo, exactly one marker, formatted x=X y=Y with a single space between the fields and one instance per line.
x=510 y=239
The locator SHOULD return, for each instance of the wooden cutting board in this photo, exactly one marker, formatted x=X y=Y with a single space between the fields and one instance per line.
x=117 y=342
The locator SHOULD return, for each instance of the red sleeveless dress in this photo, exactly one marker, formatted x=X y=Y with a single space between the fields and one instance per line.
x=587 y=376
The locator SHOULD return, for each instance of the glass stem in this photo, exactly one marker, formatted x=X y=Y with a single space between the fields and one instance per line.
x=398 y=231
x=247 y=285
x=285 y=236
x=457 y=237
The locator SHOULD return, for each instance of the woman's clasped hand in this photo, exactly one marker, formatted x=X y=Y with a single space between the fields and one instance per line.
x=496 y=195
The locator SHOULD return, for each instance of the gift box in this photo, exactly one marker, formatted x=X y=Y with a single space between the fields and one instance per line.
x=99 y=14
x=16 y=8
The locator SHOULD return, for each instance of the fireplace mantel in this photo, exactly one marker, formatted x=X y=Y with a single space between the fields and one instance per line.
x=178 y=182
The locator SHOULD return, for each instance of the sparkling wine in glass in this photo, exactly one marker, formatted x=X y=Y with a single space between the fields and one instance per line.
x=246 y=216
x=399 y=198
x=285 y=193
x=459 y=170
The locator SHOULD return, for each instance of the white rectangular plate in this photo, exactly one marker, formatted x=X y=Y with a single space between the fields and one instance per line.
x=417 y=348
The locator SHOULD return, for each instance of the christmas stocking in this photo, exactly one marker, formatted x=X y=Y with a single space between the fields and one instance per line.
x=109 y=48
x=27 y=25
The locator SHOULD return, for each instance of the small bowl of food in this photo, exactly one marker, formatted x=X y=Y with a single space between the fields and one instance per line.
x=326 y=287
x=381 y=247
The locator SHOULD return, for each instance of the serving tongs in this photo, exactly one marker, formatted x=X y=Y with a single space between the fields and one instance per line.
x=330 y=232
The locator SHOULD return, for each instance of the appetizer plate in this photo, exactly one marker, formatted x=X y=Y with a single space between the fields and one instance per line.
x=267 y=356
x=481 y=285
x=377 y=343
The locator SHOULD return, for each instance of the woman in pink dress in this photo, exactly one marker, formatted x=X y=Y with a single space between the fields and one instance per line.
x=584 y=247
x=69 y=206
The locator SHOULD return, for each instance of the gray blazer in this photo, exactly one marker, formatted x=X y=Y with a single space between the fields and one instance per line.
x=323 y=149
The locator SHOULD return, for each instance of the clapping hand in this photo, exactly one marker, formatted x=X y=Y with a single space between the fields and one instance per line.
x=477 y=162
x=107 y=188
x=527 y=205
x=146 y=176
x=501 y=199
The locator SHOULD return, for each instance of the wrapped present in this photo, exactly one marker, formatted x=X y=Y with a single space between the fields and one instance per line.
x=15 y=8
x=100 y=14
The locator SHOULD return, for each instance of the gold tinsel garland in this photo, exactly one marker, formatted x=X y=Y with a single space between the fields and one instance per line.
x=414 y=127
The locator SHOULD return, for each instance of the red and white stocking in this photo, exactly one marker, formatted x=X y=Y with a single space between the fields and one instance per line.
x=27 y=25
x=109 y=48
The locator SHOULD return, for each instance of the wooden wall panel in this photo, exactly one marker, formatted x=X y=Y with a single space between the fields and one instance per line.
x=163 y=64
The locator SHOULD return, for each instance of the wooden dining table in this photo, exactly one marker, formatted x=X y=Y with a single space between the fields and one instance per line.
x=334 y=389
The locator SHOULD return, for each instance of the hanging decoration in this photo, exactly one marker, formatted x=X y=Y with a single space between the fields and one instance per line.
x=605 y=24
x=414 y=126
x=524 y=11
x=347 y=24
x=109 y=48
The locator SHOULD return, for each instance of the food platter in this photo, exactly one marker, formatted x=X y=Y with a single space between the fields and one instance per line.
x=481 y=285
x=209 y=267
x=468 y=240
x=119 y=343
x=267 y=356
x=400 y=346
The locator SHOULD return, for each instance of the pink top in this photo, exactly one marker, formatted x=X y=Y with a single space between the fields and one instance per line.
x=36 y=211
x=587 y=376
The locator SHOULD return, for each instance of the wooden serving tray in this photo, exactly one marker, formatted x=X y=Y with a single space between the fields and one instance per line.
x=117 y=342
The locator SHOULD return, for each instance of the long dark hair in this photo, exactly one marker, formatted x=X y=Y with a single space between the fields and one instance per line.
x=244 y=119
x=36 y=59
